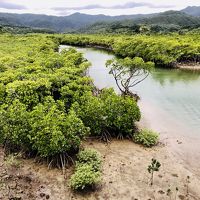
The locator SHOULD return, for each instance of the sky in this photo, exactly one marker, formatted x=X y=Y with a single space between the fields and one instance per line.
x=107 y=7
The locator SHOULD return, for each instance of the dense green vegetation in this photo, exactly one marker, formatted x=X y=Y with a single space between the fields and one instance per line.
x=164 y=50
x=38 y=86
x=172 y=17
x=129 y=27
x=48 y=105
x=22 y=30
x=108 y=115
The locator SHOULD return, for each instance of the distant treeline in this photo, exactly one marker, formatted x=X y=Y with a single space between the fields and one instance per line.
x=167 y=50
x=22 y=30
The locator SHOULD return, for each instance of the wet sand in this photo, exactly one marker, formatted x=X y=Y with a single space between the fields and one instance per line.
x=124 y=177
x=190 y=67
x=178 y=138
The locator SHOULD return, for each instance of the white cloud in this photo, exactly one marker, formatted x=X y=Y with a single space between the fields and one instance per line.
x=11 y=6
x=111 y=7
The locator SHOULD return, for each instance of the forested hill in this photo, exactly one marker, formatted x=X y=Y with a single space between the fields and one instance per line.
x=164 y=22
x=192 y=10
x=60 y=24
x=101 y=23
x=171 y=17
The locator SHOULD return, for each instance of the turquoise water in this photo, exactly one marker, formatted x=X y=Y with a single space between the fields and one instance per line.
x=170 y=99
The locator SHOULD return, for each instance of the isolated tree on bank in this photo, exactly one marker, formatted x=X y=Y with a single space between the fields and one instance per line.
x=129 y=72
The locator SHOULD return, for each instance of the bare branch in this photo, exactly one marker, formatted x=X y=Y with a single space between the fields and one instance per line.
x=129 y=72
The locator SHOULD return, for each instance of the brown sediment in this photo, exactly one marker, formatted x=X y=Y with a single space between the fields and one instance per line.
x=182 y=142
x=124 y=176
x=192 y=66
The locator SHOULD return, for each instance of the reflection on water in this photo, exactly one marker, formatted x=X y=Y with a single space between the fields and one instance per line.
x=175 y=75
x=176 y=94
x=169 y=98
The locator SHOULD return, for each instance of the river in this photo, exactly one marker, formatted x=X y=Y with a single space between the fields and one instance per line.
x=170 y=103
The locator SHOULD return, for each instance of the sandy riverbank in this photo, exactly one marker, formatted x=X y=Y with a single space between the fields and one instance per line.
x=181 y=141
x=194 y=67
x=125 y=177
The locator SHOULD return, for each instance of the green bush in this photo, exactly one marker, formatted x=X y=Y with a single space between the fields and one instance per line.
x=147 y=138
x=47 y=129
x=121 y=113
x=84 y=177
x=28 y=92
x=87 y=170
x=108 y=113
x=14 y=125
x=92 y=113
x=90 y=157
x=53 y=131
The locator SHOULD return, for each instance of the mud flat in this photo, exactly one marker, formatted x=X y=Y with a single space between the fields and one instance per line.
x=125 y=176
x=189 y=67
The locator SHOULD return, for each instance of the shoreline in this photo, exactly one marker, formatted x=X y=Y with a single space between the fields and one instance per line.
x=194 y=67
x=184 y=148
x=180 y=145
x=125 y=176
x=98 y=47
x=190 y=67
x=181 y=152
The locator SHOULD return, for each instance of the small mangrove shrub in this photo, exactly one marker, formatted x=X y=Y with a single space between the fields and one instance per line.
x=89 y=157
x=153 y=167
x=129 y=72
x=146 y=137
x=12 y=160
x=85 y=176
x=87 y=170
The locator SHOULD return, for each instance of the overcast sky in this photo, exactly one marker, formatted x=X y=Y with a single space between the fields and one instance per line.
x=108 y=7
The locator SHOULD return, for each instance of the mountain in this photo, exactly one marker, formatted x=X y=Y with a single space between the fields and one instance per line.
x=78 y=21
x=59 y=24
x=163 y=22
x=192 y=10
x=171 y=17
x=37 y=21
